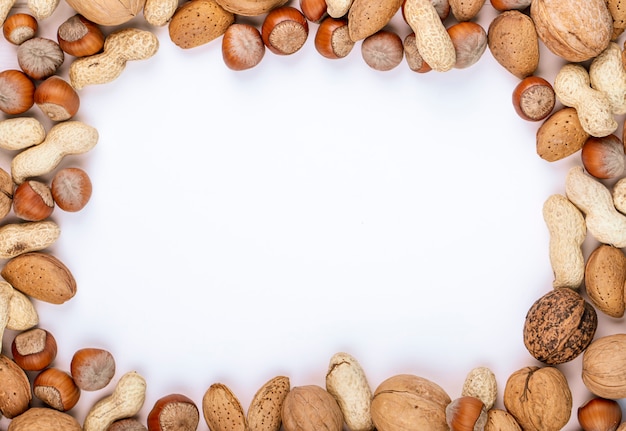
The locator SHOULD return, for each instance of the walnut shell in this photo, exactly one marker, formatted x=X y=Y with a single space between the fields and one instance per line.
x=574 y=30
x=409 y=403
x=311 y=408
x=108 y=12
x=604 y=366
x=538 y=398
x=559 y=326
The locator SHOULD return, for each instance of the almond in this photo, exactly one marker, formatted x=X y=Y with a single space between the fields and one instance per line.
x=560 y=135
x=366 y=17
x=266 y=405
x=15 y=392
x=605 y=275
x=198 y=22
x=222 y=410
x=465 y=10
x=250 y=7
x=40 y=276
x=311 y=408
x=513 y=42
x=44 y=419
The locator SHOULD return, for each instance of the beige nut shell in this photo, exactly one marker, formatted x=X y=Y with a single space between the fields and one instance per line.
x=605 y=276
x=604 y=366
x=15 y=391
x=264 y=413
x=222 y=410
x=513 y=42
x=108 y=12
x=560 y=135
x=44 y=419
x=199 y=22
x=574 y=30
x=501 y=420
x=250 y=7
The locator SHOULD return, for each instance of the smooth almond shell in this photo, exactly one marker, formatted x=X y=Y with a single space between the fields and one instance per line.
x=40 y=276
x=108 y=12
x=199 y=22
x=311 y=408
x=222 y=410
x=366 y=17
x=250 y=7
x=560 y=135
x=604 y=366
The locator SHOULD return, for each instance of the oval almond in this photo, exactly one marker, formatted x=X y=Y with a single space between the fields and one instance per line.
x=40 y=276
x=199 y=22
x=513 y=42
x=605 y=275
x=560 y=135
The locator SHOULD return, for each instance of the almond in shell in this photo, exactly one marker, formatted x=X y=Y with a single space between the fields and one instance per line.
x=199 y=22
x=560 y=135
x=250 y=7
x=222 y=410
x=15 y=391
x=465 y=10
x=311 y=408
x=366 y=17
x=264 y=413
x=513 y=42
x=44 y=419
x=40 y=276
x=605 y=277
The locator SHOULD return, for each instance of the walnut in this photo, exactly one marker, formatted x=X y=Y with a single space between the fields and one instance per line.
x=604 y=366
x=559 y=326
x=539 y=398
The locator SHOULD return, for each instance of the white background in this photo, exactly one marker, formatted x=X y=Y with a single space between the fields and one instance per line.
x=249 y=224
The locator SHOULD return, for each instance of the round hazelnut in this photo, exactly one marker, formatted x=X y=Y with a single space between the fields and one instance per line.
x=17 y=92
x=382 y=50
x=19 y=27
x=56 y=388
x=92 y=368
x=71 y=189
x=470 y=42
x=600 y=414
x=413 y=57
x=284 y=30
x=57 y=99
x=80 y=37
x=40 y=57
x=313 y=10
x=174 y=412
x=242 y=46
x=32 y=201
x=34 y=350
x=603 y=157
x=533 y=98
x=466 y=414
x=332 y=39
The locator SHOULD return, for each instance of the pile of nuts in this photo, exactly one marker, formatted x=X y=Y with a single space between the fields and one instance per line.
x=559 y=327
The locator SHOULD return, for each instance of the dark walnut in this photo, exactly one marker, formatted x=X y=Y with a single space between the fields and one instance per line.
x=559 y=326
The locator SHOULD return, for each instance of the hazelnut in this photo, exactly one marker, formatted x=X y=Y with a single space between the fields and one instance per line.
x=32 y=201
x=466 y=414
x=39 y=57
x=600 y=414
x=332 y=39
x=17 y=92
x=56 y=388
x=382 y=50
x=533 y=98
x=34 y=350
x=57 y=99
x=413 y=57
x=470 y=42
x=284 y=30
x=242 y=46
x=174 y=412
x=313 y=10
x=603 y=157
x=19 y=27
x=71 y=189
x=92 y=368
x=80 y=37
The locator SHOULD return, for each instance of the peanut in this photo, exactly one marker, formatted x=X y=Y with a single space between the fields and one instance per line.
x=119 y=48
x=5 y=8
x=567 y=229
x=19 y=238
x=125 y=401
x=607 y=74
x=619 y=195
x=432 y=39
x=572 y=86
x=159 y=12
x=338 y=8
x=66 y=138
x=21 y=132
x=481 y=383
x=22 y=313
x=42 y=9
x=594 y=199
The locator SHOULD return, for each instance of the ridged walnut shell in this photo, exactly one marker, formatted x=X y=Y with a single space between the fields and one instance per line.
x=604 y=366
x=539 y=398
x=574 y=30
x=108 y=12
x=559 y=326
x=311 y=408
x=409 y=403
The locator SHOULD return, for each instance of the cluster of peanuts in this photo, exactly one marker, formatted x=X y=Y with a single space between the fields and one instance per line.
x=593 y=95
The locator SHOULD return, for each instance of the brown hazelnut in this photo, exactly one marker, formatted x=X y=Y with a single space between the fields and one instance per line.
x=413 y=57
x=470 y=42
x=466 y=414
x=174 y=412
x=34 y=350
x=80 y=37
x=242 y=46
x=19 y=27
x=128 y=424
x=17 y=92
x=56 y=388
x=603 y=157
x=600 y=414
x=57 y=99
x=284 y=30
x=39 y=57
x=382 y=50
x=32 y=201
x=92 y=368
x=332 y=39
x=71 y=189
x=533 y=98
x=604 y=366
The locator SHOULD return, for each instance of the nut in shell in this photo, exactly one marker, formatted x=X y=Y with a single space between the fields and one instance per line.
x=604 y=366
x=311 y=408
x=559 y=326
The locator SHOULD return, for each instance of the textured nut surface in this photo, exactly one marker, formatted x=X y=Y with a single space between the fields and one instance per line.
x=501 y=420
x=222 y=410
x=567 y=229
x=409 y=403
x=481 y=383
x=513 y=42
x=560 y=135
x=539 y=398
x=108 y=12
x=366 y=17
x=605 y=278
x=311 y=408
x=264 y=413
x=21 y=132
x=44 y=419
x=19 y=238
x=40 y=276
x=22 y=314
x=15 y=391
x=559 y=326
x=199 y=22
x=604 y=366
